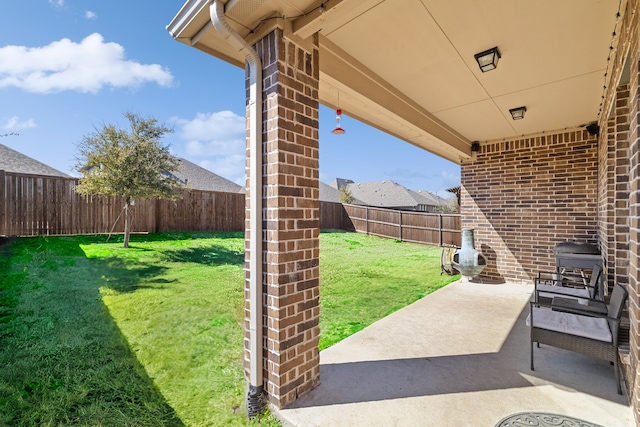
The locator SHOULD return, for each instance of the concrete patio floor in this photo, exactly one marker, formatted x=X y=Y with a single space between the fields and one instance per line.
x=458 y=357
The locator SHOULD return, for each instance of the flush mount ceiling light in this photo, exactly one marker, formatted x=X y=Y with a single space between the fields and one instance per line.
x=488 y=60
x=518 y=113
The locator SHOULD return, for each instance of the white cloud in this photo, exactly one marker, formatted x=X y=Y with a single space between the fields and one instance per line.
x=90 y=15
x=227 y=168
x=85 y=67
x=57 y=3
x=226 y=147
x=14 y=123
x=216 y=142
x=222 y=125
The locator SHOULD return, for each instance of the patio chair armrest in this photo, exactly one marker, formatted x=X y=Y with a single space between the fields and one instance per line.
x=561 y=292
x=545 y=278
x=545 y=291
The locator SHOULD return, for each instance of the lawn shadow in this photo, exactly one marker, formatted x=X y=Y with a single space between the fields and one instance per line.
x=67 y=362
x=122 y=276
x=208 y=255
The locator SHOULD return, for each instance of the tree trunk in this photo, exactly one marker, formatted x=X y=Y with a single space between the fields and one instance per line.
x=126 y=222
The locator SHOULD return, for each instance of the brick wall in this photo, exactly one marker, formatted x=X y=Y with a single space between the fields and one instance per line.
x=621 y=99
x=525 y=195
x=630 y=35
x=606 y=197
x=291 y=218
x=613 y=189
x=620 y=273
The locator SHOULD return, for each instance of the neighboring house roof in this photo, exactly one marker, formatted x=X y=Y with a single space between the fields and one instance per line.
x=328 y=193
x=389 y=194
x=195 y=177
x=425 y=198
x=437 y=200
x=13 y=161
x=340 y=182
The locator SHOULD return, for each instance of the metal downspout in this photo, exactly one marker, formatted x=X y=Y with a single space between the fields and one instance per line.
x=255 y=403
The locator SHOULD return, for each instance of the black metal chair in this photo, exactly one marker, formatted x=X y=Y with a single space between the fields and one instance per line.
x=582 y=331
x=548 y=285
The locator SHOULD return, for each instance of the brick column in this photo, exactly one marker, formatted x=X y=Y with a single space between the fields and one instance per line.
x=291 y=218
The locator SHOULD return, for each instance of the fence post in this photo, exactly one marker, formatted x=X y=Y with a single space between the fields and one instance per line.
x=157 y=215
x=400 y=224
x=440 y=228
x=366 y=218
x=3 y=200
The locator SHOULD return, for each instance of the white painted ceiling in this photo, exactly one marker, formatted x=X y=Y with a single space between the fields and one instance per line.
x=407 y=66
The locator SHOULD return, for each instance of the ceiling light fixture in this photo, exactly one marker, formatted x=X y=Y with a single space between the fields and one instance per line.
x=488 y=60
x=518 y=113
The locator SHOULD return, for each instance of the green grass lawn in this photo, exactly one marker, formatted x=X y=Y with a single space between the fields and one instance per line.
x=93 y=334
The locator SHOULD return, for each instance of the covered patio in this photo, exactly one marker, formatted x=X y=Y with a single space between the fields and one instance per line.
x=443 y=361
x=545 y=132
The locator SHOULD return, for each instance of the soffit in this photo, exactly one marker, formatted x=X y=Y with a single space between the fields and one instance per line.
x=408 y=67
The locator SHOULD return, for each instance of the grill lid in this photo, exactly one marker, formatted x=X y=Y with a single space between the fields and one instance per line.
x=576 y=248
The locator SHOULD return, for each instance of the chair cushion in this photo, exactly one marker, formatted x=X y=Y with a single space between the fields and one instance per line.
x=549 y=291
x=583 y=326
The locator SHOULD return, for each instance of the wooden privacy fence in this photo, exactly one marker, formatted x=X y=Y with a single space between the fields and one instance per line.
x=332 y=216
x=417 y=227
x=33 y=205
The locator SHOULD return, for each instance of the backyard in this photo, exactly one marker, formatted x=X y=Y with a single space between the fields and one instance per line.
x=95 y=334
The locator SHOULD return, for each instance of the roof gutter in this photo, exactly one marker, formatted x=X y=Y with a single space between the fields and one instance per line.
x=187 y=13
x=255 y=402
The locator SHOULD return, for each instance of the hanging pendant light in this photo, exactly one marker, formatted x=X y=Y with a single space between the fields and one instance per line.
x=338 y=130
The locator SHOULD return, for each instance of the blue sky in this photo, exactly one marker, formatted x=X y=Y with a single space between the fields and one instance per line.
x=69 y=66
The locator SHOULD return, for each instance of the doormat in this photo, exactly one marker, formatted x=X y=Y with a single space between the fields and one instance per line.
x=538 y=419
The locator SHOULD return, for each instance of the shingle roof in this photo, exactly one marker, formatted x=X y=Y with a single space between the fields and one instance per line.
x=328 y=193
x=389 y=194
x=13 y=161
x=340 y=182
x=430 y=198
x=196 y=177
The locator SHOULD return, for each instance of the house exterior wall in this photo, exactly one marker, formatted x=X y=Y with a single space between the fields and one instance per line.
x=620 y=119
x=613 y=190
x=620 y=273
x=629 y=38
x=291 y=219
x=524 y=196
x=606 y=197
